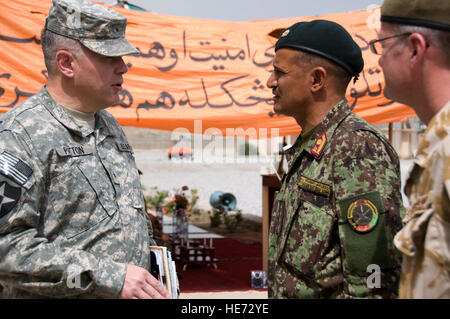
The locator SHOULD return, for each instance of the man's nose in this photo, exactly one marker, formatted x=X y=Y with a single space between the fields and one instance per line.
x=271 y=82
x=122 y=67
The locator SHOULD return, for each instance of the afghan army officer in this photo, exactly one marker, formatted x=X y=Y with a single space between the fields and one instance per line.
x=340 y=205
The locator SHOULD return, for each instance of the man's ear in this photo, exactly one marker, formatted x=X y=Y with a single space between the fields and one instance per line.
x=318 y=78
x=64 y=63
x=417 y=45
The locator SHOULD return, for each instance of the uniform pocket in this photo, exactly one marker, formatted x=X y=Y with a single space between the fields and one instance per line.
x=362 y=250
x=122 y=168
x=364 y=233
x=308 y=238
x=80 y=199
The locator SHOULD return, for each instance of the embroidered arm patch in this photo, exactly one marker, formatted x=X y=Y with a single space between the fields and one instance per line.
x=363 y=229
x=9 y=196
x=14 y=168
x=362 y=212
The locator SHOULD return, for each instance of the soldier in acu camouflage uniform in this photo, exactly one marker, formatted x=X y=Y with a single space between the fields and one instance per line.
x=72 y=219
x=339 y=205
x=414 y=43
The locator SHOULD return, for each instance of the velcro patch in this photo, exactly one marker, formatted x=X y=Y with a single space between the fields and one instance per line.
x=313 y=186
x=124 y=147
x=9 y=196
x=77 y=150
x=14 y=168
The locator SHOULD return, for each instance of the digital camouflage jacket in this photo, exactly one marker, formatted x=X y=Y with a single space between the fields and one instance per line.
x=71 y=206
x=425 y=239
x=335 y=216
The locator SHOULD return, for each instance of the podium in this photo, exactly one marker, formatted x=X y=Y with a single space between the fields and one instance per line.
x=270 y=185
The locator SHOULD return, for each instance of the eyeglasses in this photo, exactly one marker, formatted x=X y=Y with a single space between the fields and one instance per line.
x=376 y=46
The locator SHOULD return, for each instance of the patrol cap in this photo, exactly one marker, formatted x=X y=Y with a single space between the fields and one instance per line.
x=327 y=39
x=433 y=14
x=100 y=29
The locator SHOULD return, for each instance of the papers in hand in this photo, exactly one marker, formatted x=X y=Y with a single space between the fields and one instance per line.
x=164 y=270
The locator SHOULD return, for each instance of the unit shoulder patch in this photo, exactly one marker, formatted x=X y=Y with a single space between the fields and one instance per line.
x=362 y=212
x=9 y=196
x=362 y=215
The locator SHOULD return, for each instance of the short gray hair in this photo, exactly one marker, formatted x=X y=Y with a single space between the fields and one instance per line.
x=440 y=38
x=51 y=43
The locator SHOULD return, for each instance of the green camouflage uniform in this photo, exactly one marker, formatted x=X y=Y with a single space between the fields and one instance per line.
x=318 y=248
x=425 y=239
x=71 y=204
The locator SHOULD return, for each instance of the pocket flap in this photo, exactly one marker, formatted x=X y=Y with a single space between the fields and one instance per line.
x=104 y=195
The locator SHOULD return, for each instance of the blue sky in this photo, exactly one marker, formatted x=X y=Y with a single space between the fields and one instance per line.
x=242 y=10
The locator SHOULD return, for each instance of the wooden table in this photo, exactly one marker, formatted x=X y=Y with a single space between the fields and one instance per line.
x=191 y=250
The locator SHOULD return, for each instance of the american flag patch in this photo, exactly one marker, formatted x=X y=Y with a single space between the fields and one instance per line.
x=14 y=168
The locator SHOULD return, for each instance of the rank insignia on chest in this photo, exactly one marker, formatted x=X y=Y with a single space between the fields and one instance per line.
x=362 y=215
x=319 y=145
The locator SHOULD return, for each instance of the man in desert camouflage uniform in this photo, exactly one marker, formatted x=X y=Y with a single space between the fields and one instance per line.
x=72 y=219
x=414 y=43
x=339 y=205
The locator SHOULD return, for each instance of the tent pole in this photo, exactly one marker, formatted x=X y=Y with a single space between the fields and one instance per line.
x=391 y=125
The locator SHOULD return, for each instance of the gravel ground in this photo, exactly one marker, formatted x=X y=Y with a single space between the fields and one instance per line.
x=243 y=179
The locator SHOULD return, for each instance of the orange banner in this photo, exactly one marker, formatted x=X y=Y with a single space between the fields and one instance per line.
x=201 y=75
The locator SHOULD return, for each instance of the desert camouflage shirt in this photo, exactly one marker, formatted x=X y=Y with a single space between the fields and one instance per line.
x=425 y=239
x=335 y=216
x=71 y=207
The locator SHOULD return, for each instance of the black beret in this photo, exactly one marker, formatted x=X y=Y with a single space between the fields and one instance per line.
x=327 y=39
x=433 y=14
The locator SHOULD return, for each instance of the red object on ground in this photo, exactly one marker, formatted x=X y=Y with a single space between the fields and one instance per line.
x=180 y=151
x=235 y=261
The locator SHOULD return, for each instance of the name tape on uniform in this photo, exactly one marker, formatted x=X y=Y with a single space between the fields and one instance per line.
x=77 y=150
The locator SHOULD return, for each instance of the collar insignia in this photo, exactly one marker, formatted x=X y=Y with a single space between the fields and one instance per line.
x=319 y=145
